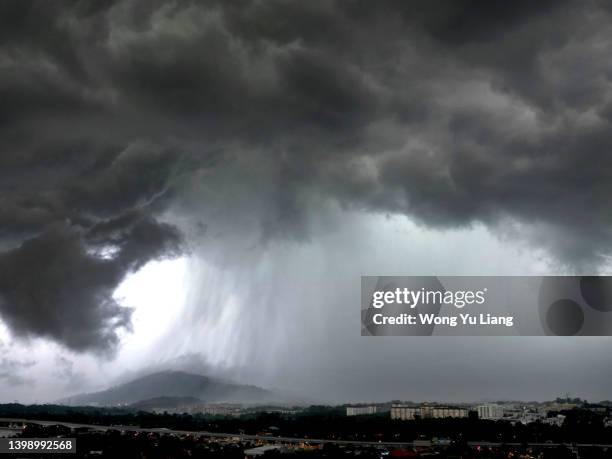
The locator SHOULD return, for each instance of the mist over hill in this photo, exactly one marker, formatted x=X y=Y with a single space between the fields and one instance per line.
x=175 y=384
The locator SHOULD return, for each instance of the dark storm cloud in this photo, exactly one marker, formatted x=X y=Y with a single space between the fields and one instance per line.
x=53 y=286
x=451 y=112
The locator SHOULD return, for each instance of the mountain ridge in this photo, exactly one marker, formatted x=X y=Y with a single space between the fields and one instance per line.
x=174 y=383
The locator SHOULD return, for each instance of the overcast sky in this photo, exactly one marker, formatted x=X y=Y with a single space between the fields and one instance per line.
x=200 y=185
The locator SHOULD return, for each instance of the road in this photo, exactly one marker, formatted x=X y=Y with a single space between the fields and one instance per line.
x=269 y=438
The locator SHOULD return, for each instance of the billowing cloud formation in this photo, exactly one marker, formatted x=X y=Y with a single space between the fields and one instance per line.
x=453 y=113
x=54 y=286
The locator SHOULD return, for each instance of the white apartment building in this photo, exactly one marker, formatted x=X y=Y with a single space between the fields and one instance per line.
x=407 y=412
x=490 y=411
x=360 y=410
x=404 y=412
x=441 y=412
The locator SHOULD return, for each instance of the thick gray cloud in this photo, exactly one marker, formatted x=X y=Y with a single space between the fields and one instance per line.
x=59 y=285
x=116 y=113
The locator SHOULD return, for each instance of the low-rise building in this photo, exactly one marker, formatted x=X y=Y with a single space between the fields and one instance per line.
x=554 y=420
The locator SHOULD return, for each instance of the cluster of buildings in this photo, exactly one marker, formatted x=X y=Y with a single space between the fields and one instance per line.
x=515 y=412
x=408 y=411
x=550 y=413
x=223 y=409
x=526 y=413
x=214 y=409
